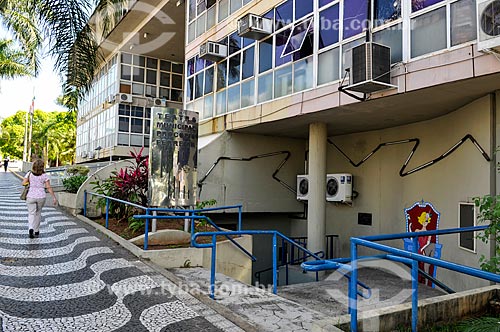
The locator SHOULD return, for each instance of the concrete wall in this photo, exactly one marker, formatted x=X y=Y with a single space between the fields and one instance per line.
x=458 y=178
x=250 y=182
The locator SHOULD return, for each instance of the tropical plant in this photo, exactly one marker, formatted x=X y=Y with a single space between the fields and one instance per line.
x=136 y=225
x=73 y=183
x=489 y=211
x=77 y=170
x=481 y=324
x=13 y=62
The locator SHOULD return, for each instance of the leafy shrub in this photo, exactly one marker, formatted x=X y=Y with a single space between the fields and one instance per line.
x=78 y=170
x=73 y=183
x=128 y=184
x=489 y=211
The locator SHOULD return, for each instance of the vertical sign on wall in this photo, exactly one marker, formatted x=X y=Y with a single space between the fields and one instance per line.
x=173 y=158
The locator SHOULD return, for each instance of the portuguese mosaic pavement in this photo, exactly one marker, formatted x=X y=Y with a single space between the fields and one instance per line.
x=72 y=278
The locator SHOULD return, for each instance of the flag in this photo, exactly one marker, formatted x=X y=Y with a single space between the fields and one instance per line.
x=32 y=106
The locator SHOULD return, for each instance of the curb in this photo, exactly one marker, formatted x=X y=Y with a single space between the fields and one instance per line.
x=219 y=308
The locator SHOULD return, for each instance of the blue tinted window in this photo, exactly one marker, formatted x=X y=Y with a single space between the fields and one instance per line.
x=234 y=43
x=266 y=55
x=190 y=67
x=234 y=69
x=284 y=14
x=199 y=64
x=209 y=80
x=221 y=75
x=355 y=17
x=329 y=26
x=248 y=63
x=324 y=2
x=302 y=8
x=387 y=11
x=298 y=35
x=281 y=40
x=417 y=5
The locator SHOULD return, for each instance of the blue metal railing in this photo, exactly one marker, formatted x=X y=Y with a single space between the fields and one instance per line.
x=213 y=246
x=399 y=255
x=193 y=215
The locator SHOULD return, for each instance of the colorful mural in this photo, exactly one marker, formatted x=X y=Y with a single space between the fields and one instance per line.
x=422 y=216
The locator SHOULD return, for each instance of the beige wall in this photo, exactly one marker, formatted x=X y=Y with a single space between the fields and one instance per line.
x=382 y=192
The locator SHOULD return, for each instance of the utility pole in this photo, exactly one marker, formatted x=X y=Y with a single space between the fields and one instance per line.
x=30 y=134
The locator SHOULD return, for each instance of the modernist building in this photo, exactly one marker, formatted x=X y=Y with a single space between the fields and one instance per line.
x=297 y=101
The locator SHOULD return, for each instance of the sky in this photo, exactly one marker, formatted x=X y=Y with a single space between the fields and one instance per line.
x=17 y=94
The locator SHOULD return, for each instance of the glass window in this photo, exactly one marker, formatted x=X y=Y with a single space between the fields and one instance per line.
x=200 y=25
x=124 y=110
x=176 y=95
x=302 y=8
x=233 y=98
x=421 y=4
x=201 y=6
x=235 y=5
x=221 y=106
x=223 y=9
x=234 y=69
x=247 y=69
x=152 y=63
x=138 y=75
x=211 y=17
x=151 y=76
x=191 y=31
x=190 y=89
x=329 y=26
x=328 y=66
x=323 y=3
x=265 y=87
x=126 y=73
x=391 y=37
x=177 y=68
x=127 y=58
x=177 y=81
x=138 y=111
x=164 y=79
x=190 y=67
x=247 y=93
x=138 y=89
x=136 y=140
x=198 y=91
x=303 y=75
x=139 y=60
x=165 y=65
x=199 y=64
x=208 y=110
x=266 y=55
x=284 y=14
x=281 y=40
x=136 y=125
x=192 y=9
x=355 y=17
x=150 y=91
x=164 y=93
x=209 y=80
x=221 y=75
x=463 y=21
x=428 y=33
x=234 y=43
x=386 y=11
x=297 y=37
x=123 y=124
x=283 y=82
x=123 y=139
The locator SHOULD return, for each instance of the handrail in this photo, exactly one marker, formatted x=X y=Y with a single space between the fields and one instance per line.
x=192 y=217
x=213 y=246
x=411 y=258
x=258 y=273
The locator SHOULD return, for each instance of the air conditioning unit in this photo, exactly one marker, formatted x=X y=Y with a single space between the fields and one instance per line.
x=488 y=25
x=111 y=99
x=159 y=102
x=369 y=67
x=302 y=187
x=213 y=51
x=125 y=98
x=254 y=27
x=339 y=188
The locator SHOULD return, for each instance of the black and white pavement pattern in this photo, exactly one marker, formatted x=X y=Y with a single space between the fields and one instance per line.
x=72 y=278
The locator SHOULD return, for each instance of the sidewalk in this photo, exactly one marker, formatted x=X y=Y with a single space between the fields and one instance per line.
x=73 y=278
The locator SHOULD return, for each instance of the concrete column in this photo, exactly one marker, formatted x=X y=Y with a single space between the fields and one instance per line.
x=316 y=213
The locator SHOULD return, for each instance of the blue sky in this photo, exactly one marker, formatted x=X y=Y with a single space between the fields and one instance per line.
x=17 y=94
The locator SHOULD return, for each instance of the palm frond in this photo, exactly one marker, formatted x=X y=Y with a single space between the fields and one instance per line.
x=482 y=324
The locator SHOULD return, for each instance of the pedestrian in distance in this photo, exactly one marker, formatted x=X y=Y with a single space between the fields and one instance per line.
x=35 y=199
x=6 y=163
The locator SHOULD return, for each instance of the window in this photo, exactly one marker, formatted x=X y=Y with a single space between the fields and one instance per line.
x=428 y=32
x=266 y=55
x=355 y=17
x=329 y=64
x=392 y=37
x=417 y=5
x=329 y=26
x=297 y=37
x=386 y=11
x=467 y=218
x=463 y=21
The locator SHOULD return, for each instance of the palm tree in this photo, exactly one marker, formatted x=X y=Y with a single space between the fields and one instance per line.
x=13 y=62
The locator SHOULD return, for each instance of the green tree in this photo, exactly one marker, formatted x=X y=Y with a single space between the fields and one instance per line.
x=13 y=62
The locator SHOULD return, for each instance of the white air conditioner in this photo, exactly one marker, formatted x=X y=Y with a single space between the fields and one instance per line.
x=369 y=67
x=159 y=102
x=302 y=187
x=488 y=25
x=254 y=27
x=111 y=99
x=125 y=98
x=339 y=188
x=213 y=51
